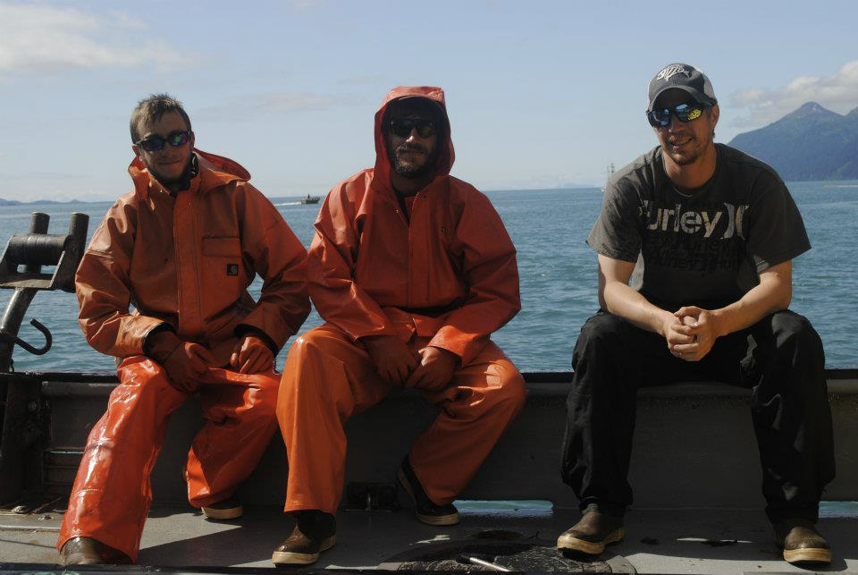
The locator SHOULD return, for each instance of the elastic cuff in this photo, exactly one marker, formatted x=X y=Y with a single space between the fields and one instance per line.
x=147 y=341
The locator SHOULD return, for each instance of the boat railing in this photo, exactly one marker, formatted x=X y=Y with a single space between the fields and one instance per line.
x=685 y=435
x=21 y=269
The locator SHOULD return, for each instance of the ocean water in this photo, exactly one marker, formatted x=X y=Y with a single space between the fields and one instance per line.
x=557 y=269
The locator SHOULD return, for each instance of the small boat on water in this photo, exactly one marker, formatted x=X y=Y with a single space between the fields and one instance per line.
x=698 y=507
x=609 y=173
x=308 y=199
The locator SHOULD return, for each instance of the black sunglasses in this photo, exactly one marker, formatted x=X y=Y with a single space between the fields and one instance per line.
x=175 y=139
x=683 y=112
x=402 y=127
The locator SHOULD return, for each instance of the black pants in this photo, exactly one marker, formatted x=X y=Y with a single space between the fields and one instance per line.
x=780 y=359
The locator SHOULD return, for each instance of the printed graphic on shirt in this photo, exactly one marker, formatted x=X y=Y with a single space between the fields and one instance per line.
x=693 y=222
x=704 y=238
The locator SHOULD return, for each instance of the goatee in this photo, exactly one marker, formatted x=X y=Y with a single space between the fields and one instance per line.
x=409 y=169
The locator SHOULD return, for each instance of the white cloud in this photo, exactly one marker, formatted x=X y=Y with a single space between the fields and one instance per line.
x=39 y=37
x=838 y=93
x=127 y=21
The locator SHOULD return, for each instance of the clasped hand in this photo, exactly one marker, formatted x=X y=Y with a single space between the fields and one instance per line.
x=431 y=368
x=184 y=361
x=251 y=355
x=691 y=333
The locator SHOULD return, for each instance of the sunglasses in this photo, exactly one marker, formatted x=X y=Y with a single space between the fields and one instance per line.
x=683 y=112
x=402 y=127
x=175 y=139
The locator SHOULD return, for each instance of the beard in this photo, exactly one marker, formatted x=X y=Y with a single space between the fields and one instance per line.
x=410 y=169
x=683 y=159
x=693 y=152
x=180 y=182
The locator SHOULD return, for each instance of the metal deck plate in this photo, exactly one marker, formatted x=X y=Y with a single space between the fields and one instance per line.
x=178 y=539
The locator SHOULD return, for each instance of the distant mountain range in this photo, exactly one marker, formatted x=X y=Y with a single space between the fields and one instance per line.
x=17 y=203
x=811 y=143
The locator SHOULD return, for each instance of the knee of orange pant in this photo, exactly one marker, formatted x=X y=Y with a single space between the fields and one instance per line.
x=267 y=409
x=313 y=352
x=261 y=407
x=511 y=394
x=266 y=385
x=308 y=344
x=142 y=383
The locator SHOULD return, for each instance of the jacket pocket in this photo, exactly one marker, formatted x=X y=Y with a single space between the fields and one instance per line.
x=222 y=247
x=222 y=274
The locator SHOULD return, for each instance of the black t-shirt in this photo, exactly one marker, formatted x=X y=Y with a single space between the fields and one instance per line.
x=701 y=247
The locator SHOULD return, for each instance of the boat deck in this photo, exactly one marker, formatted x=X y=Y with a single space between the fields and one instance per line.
x=177 y=538
x=695 y=469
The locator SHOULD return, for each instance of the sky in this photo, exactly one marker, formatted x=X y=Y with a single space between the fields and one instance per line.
x=541 y=94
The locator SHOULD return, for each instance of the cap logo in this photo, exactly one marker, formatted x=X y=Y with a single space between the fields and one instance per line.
x=671 y=71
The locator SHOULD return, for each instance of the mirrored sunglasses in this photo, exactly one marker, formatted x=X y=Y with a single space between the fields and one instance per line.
x=402 y=127
x=155 y=143
x=683 y=112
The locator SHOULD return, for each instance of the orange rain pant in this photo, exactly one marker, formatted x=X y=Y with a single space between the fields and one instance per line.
x=328 y=378
x=112 y=492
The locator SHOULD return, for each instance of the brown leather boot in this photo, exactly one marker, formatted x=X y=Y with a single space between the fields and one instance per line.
x=314 y=532
x=81 y=551
x=592 y=533
x=229 y=508
x=801 y=542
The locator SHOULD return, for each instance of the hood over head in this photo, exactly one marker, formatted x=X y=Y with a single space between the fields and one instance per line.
x=446 y=155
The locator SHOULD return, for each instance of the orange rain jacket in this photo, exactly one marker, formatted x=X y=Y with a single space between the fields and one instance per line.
x=187 y=261
x=449 y=274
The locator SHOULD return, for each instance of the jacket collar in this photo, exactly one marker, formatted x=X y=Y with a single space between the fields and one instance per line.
x=209 y=171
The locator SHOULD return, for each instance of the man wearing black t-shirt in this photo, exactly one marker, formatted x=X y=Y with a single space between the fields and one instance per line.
x=710 y=234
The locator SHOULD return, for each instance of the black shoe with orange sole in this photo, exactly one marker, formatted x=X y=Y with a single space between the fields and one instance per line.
x=427 y=510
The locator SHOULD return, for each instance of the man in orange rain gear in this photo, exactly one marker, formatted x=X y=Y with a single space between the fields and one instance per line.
x=182 y=248
x=413 y=270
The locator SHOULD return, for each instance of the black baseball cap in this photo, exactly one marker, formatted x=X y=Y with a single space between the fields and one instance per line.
x=682 y=77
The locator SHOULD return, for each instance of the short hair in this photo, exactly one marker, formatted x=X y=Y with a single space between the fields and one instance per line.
x=152 y=109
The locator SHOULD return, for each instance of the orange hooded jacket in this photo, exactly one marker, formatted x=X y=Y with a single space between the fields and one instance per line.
x=449 y=273
x=187 y=260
